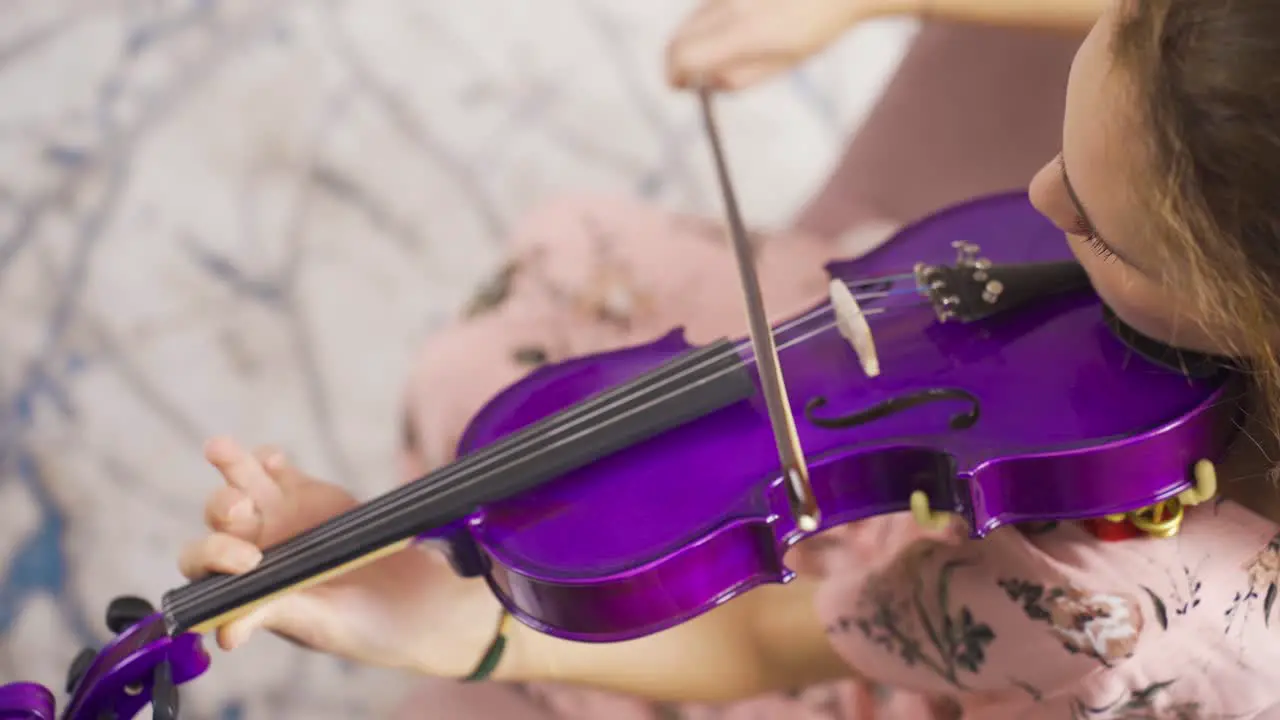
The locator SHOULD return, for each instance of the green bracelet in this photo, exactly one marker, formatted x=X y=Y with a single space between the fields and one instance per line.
x=493 y=654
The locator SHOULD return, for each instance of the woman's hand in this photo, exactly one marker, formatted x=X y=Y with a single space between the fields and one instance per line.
x=732 y=44
x=408 y=610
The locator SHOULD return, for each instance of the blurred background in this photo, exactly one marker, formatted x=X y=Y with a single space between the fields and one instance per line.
x=243 y=216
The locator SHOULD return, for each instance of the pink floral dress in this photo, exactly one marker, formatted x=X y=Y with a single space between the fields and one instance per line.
x=1044 y=622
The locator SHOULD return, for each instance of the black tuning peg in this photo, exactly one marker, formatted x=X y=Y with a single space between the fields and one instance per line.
x=79 y=667
x=164 y=694
x=126 y=611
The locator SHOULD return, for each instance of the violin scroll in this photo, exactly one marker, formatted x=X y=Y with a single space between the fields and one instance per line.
x=26 y=701
x=142 y=666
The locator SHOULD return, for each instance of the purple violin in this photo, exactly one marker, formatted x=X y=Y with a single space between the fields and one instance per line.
x=618 y=494
x=963 y=370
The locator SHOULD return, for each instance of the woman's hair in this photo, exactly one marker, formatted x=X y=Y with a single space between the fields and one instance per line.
x=1206 y=77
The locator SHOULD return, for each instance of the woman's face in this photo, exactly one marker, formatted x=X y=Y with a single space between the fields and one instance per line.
x=1088 y=191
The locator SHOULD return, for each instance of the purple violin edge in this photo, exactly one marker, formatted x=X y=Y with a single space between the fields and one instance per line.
x=1167 y=454
x=744 y=571
x=1212 y=412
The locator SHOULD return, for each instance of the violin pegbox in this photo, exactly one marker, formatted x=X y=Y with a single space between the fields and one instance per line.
x=143 y=666
x=975 y=288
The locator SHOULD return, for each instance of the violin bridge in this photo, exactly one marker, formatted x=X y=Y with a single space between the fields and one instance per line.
x=852 y=324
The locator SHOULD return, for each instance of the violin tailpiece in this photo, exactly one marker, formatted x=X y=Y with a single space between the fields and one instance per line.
x=975 y=288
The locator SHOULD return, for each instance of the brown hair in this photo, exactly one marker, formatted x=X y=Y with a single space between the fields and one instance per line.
x=1206 y=75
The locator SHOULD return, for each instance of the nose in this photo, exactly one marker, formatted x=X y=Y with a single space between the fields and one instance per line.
x=1048 y=194
x=1042 y=189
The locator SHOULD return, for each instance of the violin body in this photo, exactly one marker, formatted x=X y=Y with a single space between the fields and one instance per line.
x=1038 y=413
x=1070 y=423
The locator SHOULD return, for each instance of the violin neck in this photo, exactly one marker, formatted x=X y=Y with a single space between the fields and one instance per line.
x=690 y=386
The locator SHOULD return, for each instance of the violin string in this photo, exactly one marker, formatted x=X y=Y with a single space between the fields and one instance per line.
x=569 y=423
x=442 y=488
x=463 y=465
x=413 y=497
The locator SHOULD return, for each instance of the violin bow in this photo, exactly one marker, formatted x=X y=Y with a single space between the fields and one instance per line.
x=804 y=508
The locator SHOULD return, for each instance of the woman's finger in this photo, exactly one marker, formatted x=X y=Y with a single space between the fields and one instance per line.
x=218 y=553
x=229 y=510
x=752 y=71
x=731 y=59
x=243 y=471
x=707 y=40
x=303 y=619
x=270 y=454
x=707 y=18
x=285 y=474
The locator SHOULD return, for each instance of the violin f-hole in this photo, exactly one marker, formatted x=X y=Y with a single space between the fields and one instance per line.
x=893 y=406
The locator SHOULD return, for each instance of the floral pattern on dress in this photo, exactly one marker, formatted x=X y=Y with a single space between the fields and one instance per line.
x=922 y=628
x=493 y=292
x=1103 y=626
x=1263 y=573
x=612 y=295
x=1182 y=593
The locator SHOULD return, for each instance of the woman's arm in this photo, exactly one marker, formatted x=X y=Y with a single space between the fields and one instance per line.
x=766 y=640
x=1070 y=15
x=733 y=44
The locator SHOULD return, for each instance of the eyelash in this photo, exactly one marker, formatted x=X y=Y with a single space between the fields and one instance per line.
x=1081 y=229
x=1085 y=231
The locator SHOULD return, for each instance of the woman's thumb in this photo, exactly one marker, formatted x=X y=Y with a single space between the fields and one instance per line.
x=301 y=617
x=237 y=632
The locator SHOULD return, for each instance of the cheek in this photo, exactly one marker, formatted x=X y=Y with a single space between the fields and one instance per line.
x=1116 y=286
x=1144 y=306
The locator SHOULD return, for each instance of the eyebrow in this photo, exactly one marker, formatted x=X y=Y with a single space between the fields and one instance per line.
x=1084 y=215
